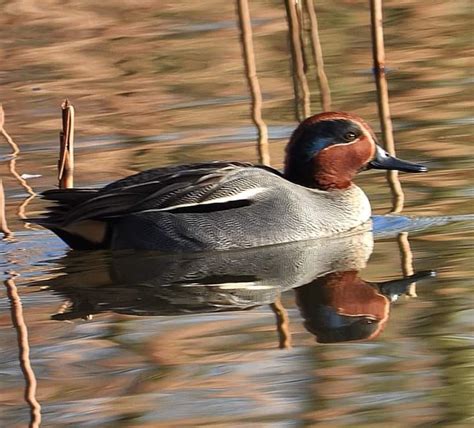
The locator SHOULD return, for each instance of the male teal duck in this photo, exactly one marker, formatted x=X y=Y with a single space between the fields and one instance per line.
x=226 y=205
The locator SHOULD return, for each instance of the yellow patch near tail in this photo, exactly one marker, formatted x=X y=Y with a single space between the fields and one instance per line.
x=90 y=230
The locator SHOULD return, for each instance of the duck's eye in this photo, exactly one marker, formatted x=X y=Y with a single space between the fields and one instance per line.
x=350 y=136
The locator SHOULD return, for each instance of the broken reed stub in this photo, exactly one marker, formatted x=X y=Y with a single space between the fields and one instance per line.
x=66 y=147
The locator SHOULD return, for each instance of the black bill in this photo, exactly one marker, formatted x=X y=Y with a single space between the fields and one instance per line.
x=383 y=160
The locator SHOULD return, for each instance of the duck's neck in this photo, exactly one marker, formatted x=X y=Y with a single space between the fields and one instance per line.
x=317 y=177
x=297 y=174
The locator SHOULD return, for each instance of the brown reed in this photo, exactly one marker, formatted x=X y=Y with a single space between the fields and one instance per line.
x=301 y=87
x=252 y=78
x=398 y=196
x=323 y=83
x=66 y=147
x=378 y=53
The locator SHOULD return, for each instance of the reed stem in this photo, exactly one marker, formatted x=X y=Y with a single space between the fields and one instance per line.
x=66 y=149
x=252 y=78
x=378 y=53
x=324 y=89
x=302 y=92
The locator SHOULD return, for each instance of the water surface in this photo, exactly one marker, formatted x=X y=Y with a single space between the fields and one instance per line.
x=245 y=339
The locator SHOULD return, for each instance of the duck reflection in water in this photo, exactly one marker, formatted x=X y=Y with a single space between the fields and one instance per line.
x=336 y=304
x=341 y=306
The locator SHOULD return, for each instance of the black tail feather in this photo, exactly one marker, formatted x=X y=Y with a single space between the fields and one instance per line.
x=69 y=197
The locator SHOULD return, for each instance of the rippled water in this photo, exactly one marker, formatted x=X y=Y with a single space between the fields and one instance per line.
x=295 y=335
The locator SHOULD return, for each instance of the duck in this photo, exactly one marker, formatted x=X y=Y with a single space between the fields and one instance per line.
x=225 y=205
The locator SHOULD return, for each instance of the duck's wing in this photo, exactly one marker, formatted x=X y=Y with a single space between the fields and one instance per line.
x=198 y=187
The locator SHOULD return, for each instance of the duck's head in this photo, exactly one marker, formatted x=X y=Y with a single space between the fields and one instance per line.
x=327 y=150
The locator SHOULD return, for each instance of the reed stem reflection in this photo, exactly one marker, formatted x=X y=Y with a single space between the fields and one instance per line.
x=13 y=171
x=24 y=351
x=7 y=233
x=406 y=260
x=283 y=324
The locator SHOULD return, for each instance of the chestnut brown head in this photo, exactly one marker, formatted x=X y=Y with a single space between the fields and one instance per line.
x=327 y=150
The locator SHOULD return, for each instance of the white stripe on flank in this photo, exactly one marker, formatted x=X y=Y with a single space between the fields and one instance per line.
x=232 y=285
x=243 y=286
x=242 y=196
